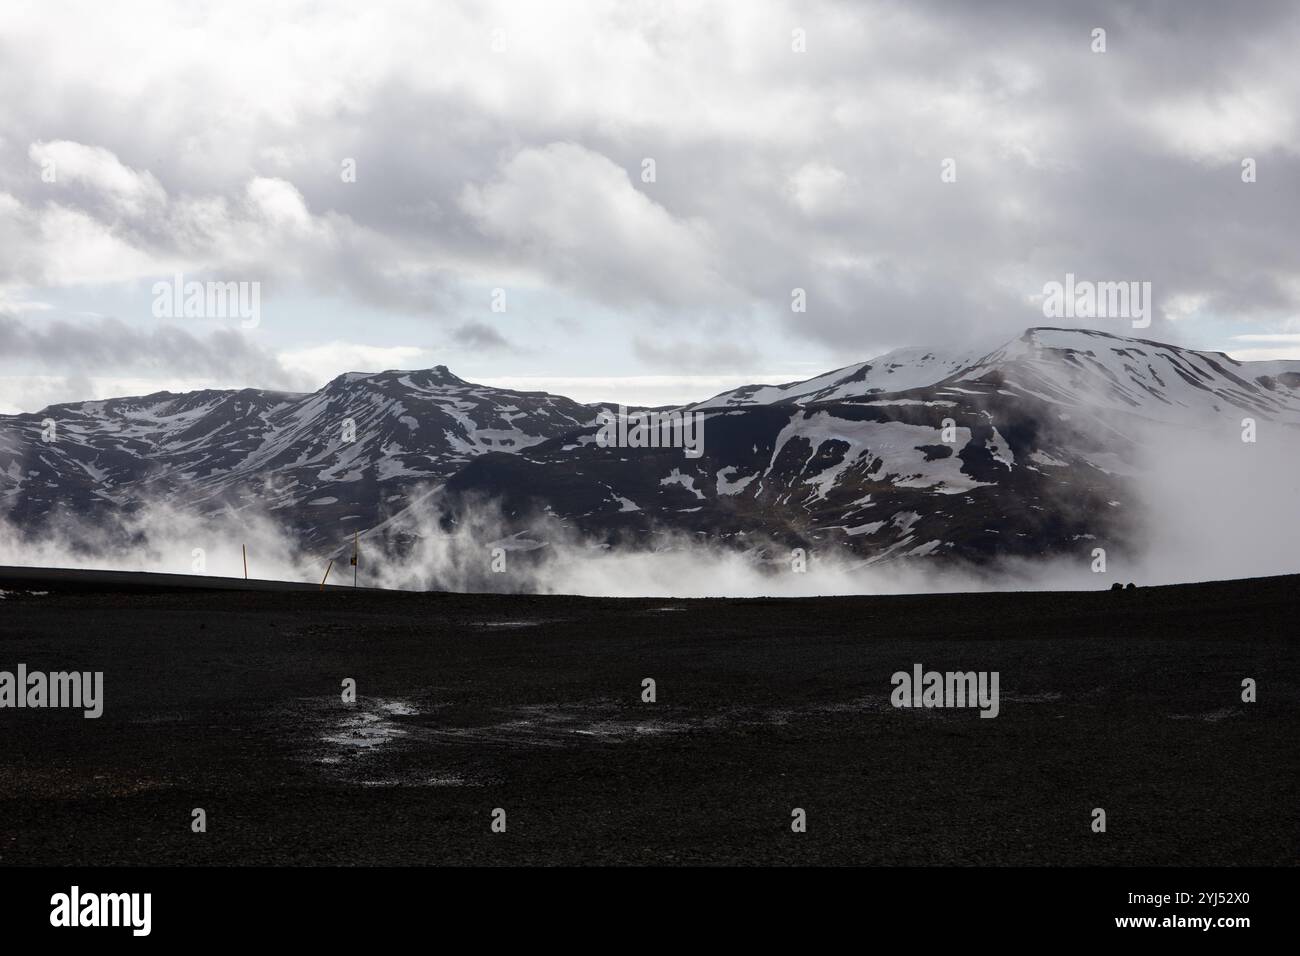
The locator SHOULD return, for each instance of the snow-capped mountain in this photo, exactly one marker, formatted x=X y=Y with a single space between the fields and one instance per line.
x=1067 y=367
x=1025 y=450
x=1148 y=379
x=327 y=463
x=894 y=371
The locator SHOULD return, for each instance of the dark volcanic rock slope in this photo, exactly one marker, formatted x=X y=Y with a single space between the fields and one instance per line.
x=873 y=475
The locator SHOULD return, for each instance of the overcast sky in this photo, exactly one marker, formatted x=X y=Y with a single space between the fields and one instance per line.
x=502 y=146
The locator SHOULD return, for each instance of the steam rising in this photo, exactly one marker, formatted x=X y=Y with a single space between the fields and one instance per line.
x=1203 y=505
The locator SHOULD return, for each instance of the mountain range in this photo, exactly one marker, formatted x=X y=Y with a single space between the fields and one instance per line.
x=1027 y=450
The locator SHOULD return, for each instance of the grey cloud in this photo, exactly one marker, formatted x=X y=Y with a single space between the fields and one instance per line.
x=685 y=356
x=569 y=324
x=1116 y=165
x=479 y=335
x=108 y=346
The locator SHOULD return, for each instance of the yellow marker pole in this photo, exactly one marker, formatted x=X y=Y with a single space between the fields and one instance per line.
x=327 y=575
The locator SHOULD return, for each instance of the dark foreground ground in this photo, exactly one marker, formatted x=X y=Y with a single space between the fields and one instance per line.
x=230 y=701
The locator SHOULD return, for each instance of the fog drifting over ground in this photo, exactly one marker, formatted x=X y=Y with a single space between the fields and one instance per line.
x=1205 y=506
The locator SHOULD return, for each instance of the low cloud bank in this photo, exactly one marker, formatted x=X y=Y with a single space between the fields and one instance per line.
x=1204 y=505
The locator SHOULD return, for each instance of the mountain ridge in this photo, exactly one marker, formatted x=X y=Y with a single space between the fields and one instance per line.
x=1021 y=450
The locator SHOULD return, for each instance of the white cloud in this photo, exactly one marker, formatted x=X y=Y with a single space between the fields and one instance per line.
x=129 y=192
x=816 y=187
x=21 y=394
x=575 y=215
x=1224 y=128
x=320 y=363
x=201 y=138
x=630 y=390
x=121 y=225
x=1266 y=355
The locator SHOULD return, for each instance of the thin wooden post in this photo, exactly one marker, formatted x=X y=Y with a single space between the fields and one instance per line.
x=356 y=555
x=327 y=575
x=245 y=547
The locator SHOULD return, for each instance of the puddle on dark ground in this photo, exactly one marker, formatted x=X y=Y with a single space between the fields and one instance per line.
x=354 y=743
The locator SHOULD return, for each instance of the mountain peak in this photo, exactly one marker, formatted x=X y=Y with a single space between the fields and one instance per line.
x=438 y=375
x=1051 y=336
x=434 y=377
